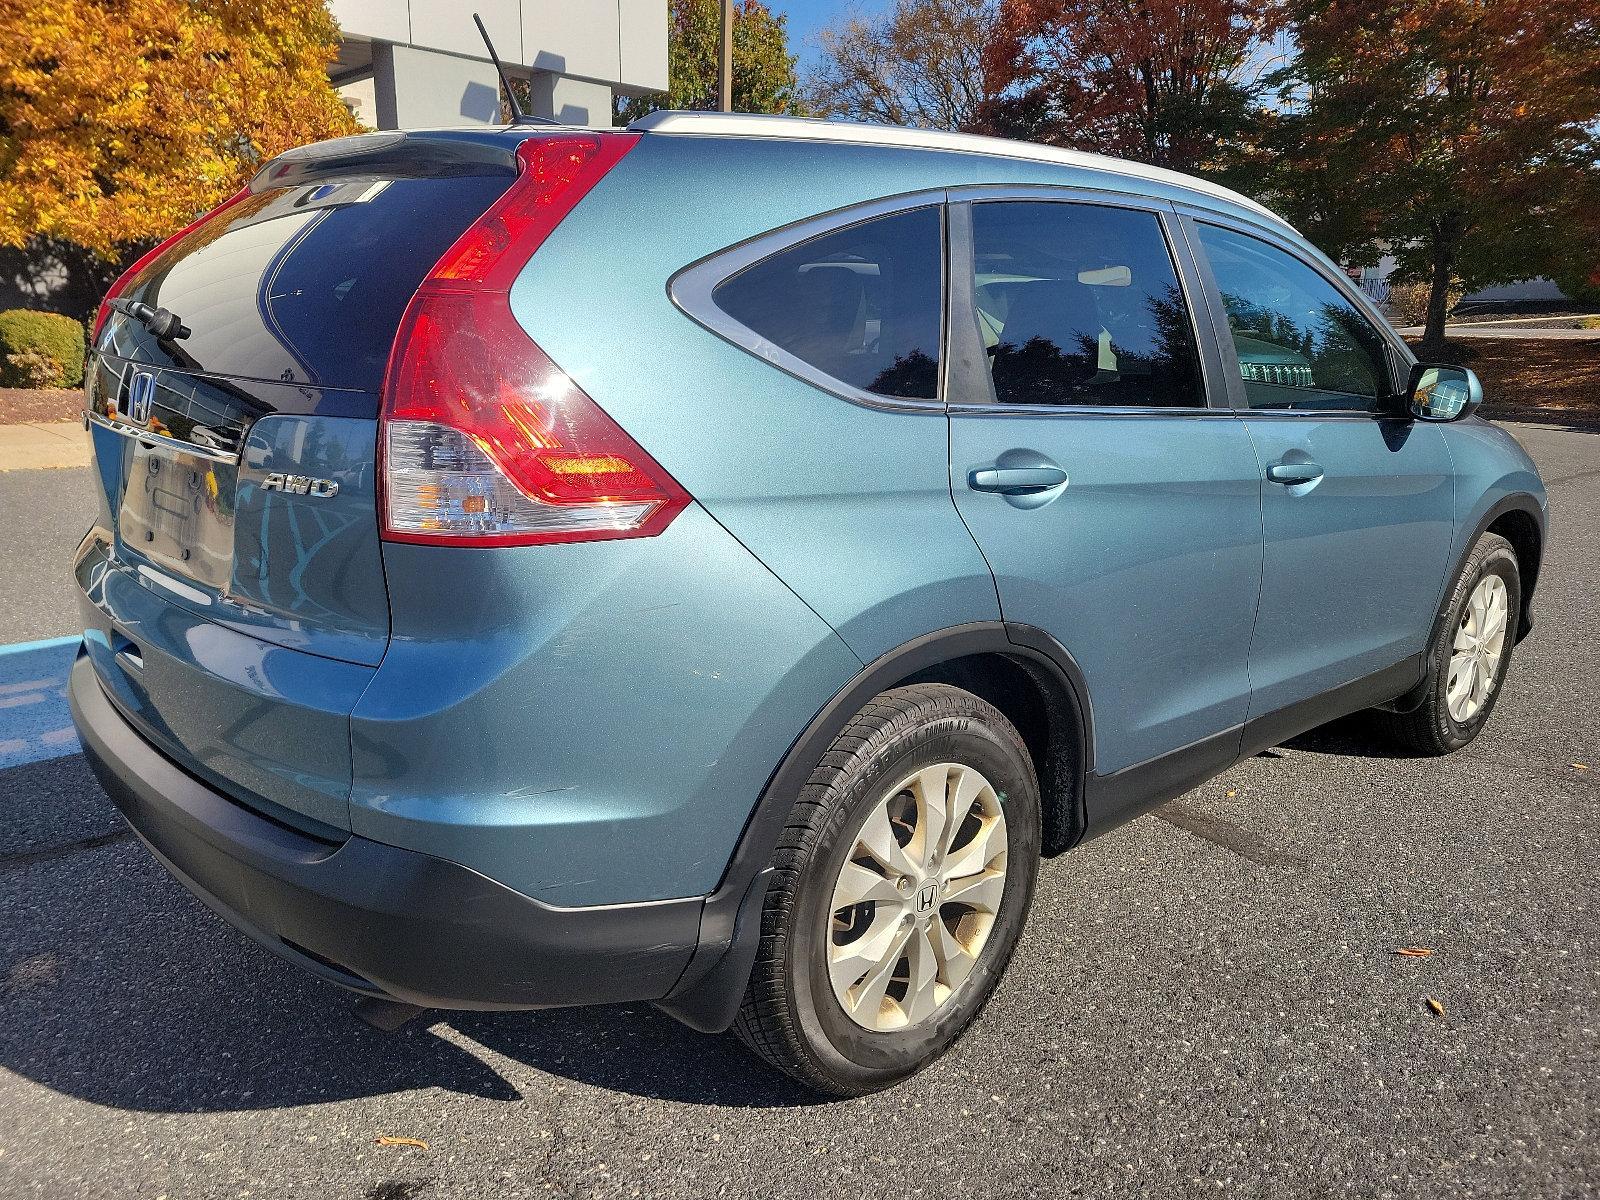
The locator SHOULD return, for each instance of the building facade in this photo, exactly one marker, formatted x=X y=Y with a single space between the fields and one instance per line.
x=418 y=64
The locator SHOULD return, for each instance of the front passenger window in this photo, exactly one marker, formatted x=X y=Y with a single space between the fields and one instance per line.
x=1301 y=344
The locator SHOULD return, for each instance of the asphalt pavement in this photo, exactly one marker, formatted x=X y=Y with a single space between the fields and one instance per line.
x=1206 y=1001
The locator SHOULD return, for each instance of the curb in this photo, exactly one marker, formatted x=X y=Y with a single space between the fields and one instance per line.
x=43 y=446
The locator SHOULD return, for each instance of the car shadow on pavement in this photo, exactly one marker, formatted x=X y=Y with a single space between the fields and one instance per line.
x=118 y=987
x=635 y=1049
x=1355 y=736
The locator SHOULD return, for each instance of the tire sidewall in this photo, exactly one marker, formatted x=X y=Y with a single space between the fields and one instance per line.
x=862 y=1058
x=1494 y=558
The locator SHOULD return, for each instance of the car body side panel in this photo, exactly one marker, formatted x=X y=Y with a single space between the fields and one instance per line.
x=849 y=505
x=1355 y=560
x=1147 y=566
x=587 y=724
x=1490 y=466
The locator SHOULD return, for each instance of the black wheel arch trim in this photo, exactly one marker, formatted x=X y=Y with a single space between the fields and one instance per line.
x=1515 y=502
x=707 y=994
x=1520 y=502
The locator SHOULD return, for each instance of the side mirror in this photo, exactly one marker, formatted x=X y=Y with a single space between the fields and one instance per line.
x=1439 y=392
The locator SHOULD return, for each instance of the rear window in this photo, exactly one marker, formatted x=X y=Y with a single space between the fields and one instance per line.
x=861 y=304
x=305 y=284
x=1079 y=304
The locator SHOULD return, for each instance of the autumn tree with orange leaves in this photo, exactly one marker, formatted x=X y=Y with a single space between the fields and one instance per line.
x=1459 y=135
x=1167 y=82
x=121 y=120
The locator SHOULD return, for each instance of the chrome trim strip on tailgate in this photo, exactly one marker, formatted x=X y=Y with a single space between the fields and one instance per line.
x=161 y=439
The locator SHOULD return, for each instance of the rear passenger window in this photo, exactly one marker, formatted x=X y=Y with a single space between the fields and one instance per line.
x=1300 y=343
x=861 y=304
x=1080 y=304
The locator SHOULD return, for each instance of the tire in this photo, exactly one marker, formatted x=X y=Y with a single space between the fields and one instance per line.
x=794 y=1014
x=1432 y=728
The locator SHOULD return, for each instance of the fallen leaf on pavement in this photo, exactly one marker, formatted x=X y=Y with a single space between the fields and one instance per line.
x=1438 y=1009
x=1579 y=766
x=400 y=1141
x=1231 y=793
x=1415 y=951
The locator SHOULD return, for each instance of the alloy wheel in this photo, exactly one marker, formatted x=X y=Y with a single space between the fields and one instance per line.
x=1479 y=645
x=917 y=897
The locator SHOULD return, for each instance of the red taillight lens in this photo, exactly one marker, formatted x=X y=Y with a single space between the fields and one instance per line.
x=553 y=174
x=485 y=441
x=144 y=260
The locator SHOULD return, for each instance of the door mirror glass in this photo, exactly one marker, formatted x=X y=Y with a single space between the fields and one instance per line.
x=1443 y=393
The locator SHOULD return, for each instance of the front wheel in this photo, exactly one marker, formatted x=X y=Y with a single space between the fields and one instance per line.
x=901 y=883
x=1469 y=653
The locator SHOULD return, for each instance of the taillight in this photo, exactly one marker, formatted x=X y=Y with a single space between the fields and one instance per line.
x=484 y=440
x=144 y=260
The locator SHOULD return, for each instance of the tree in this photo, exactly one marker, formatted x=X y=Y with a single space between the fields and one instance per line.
x=1458 y=135
x=763 y=69
x=920 y=64
x=121 y=120
x=1165 y=82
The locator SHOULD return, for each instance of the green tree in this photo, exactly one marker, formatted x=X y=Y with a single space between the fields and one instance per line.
x=763 y=69
x=1458 y=135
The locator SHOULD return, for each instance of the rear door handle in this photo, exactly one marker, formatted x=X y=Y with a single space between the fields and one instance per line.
x=1294 y=472
x=1016 y=481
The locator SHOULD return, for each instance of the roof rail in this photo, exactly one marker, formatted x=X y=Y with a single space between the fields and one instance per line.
x=753 y=125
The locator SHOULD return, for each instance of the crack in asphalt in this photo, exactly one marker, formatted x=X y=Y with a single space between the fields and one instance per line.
x=1235 y=838
x=28 y=858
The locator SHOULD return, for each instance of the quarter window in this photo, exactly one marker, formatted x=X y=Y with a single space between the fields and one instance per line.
x=1080 y=304
x=861 y=304
x=1300 y=343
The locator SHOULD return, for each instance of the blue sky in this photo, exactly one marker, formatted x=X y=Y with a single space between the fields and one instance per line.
x=807 y=17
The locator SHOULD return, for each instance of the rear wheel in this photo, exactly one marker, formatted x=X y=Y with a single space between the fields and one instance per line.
x=1468 y=655
x=901 y=883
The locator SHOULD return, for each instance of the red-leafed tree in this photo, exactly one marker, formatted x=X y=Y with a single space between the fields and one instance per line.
x=1459 y=135
x=1168 y=82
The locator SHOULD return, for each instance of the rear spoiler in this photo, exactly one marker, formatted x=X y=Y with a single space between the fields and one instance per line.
x=423 y=154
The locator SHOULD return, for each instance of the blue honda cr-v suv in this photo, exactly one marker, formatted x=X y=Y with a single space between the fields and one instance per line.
x=710 y=563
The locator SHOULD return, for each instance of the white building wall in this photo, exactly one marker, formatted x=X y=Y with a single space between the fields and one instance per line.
x=424 y=89
x=361 y=96
x=429 y=67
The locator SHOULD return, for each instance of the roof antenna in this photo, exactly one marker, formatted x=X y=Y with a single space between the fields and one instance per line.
x=518 y=117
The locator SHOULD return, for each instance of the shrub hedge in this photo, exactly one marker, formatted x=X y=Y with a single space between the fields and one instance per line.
x=25 y=333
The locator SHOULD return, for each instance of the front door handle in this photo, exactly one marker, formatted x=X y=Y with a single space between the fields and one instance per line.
x=1016 y=481
x=1294 y=472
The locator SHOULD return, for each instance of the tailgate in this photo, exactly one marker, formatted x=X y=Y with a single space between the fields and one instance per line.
x=234 y=597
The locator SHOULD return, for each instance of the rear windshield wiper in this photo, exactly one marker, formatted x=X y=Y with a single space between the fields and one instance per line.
x=162 y=322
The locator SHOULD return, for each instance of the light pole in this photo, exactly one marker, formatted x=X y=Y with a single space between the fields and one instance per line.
x=725 y=60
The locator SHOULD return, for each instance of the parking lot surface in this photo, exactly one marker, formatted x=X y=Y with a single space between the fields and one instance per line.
x=1205 y=1001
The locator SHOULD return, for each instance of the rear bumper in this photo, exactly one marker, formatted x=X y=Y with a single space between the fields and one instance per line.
x=372 y=917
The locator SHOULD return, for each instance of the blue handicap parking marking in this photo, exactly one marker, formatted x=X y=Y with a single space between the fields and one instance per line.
x=35 y=723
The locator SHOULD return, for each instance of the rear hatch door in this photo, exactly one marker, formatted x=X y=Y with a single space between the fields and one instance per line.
x=237 y=458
